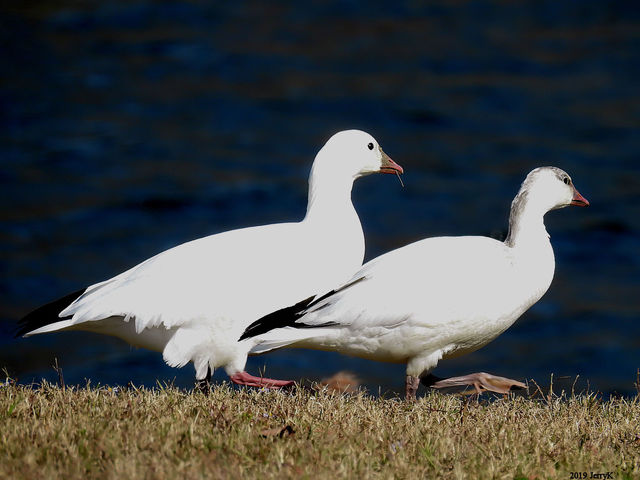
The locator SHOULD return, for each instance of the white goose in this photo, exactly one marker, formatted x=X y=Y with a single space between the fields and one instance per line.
x=437 y=298
x=192 y=302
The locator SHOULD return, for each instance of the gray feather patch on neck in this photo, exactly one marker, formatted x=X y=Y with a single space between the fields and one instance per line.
x=519 y=203
x=517 y=206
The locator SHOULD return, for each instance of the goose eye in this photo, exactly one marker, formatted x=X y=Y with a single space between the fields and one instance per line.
x=370 y=146
x=567 y=181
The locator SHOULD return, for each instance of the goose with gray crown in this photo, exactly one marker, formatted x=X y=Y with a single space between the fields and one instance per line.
x=434 y=299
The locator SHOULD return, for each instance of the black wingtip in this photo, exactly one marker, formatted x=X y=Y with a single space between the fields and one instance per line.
x=46 y=314
x=278 y=319
x=286 y=317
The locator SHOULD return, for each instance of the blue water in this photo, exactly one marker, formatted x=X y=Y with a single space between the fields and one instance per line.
x=130 y=127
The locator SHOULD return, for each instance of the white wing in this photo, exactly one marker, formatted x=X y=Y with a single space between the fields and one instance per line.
x=236 y=274
x=437 y=288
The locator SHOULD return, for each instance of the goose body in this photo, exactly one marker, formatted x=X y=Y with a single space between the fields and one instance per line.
x=436 y=298
x=193 y=301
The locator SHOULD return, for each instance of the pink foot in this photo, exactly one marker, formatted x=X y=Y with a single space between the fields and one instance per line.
x=244 y=378
x=482 y=381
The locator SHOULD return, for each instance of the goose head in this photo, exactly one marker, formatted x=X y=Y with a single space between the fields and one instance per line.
x=353 y=154
x=550 y=188
x=544 y=189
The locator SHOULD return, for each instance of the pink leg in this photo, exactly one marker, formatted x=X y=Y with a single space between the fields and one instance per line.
x=244 y=378
x=411 y=385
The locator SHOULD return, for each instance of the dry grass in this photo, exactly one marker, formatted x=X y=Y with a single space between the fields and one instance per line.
x=51 y=432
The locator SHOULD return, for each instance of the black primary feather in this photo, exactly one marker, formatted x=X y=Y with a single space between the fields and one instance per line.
x=285 y=317
x=288 y=316
x=46 y=314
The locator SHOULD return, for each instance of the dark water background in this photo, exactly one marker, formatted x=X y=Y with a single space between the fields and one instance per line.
x=129 y=127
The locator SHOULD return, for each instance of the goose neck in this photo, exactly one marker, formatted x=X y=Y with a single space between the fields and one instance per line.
x=526 y=224
x=329 y=195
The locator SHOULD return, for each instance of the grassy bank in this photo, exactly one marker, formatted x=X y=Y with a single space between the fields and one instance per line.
x=50 y=432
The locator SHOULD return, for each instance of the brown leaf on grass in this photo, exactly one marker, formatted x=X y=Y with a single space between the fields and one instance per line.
x=341 y=382
x=278 y=431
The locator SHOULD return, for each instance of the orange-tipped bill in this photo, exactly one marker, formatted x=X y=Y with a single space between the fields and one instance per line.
x=578 y=200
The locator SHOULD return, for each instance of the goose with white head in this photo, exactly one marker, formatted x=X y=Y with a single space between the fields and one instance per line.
x=434 y=299
x=192 y=302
